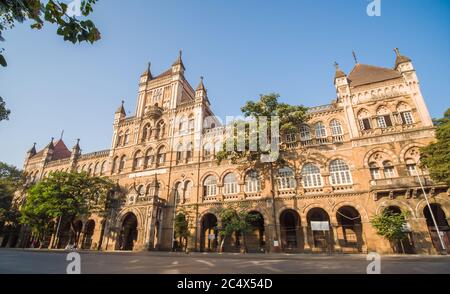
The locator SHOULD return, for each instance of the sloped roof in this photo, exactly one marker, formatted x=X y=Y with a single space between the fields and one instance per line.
x=365 y=74
x=61 y=151
x=164 y=74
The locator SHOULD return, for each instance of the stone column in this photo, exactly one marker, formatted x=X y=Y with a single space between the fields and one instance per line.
x=337 y=246
x=307 y=247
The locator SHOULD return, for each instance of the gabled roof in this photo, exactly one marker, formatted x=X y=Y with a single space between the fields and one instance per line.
x=365 y=74
x=164 y=74
x=61 y=151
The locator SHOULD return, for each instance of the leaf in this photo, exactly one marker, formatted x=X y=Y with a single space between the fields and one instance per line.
x=3 y=61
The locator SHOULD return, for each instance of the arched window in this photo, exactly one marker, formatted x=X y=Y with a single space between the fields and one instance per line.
x=126 y=138
x=187 y=191
x=103 y=168
x=97 y=169
x=178 y=192
x=340 y=173
x=286 y=179
x=161 y=160
x=210 y=186
x=160 y=130
x=336 y=128
x=89 y=170
x=411 y=167
x=321 y=131
x=137 y=160
x=389 y=170
x=180 y=150
x=311 y=176
x=405 y=114
x=189 y=152
x=374 y=171
x=206 y=151
x=183 y=125
x=230 y=185
x=148 y=160
x=119 y=139
x=146 y=133
x=123 y=160
x=252 y=182
x=364 y=120
x=115 y=166
x=305 y=133
x=217 y=147
x=384 y=118
x=191 y=123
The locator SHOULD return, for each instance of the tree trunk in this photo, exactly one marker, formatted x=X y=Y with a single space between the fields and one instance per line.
x=222 y=244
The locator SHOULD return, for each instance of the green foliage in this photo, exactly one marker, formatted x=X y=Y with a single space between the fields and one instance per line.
x=68 y=195
x=290 y=118
x=436 y=156
x=38 y=12
x=11 y=179
x=181 y=226
x=390 y=225
x=4 y=112
x=236 y=219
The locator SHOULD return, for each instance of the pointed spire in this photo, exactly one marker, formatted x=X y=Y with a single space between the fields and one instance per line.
x=77 y=145
x=179 y=60
x=51 y=145
x=201 y=86
x=148 y=72
x=354 y=56
x=121 y=108
x=400 y=58
x=339 y=72
x=32 y=151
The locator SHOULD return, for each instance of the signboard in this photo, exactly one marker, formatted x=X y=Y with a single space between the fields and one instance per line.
x=275 y=243
x=320 y=226
x=211 y=236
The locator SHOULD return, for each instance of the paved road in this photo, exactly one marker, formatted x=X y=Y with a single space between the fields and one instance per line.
x=44 y=262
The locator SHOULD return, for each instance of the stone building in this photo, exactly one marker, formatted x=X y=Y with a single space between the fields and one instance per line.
x=353 y=159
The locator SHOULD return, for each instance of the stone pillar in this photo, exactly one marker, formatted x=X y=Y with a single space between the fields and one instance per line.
x=306 y=239
x=337 y=246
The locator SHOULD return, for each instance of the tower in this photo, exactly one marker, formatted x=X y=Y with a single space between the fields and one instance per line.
x=404 y=65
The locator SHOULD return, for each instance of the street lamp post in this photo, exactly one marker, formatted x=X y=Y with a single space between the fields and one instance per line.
x=444 y=249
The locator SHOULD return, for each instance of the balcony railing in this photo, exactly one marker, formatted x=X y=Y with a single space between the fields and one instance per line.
x=401 y=182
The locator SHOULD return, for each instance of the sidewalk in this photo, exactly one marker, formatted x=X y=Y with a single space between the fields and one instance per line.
x=225 y=255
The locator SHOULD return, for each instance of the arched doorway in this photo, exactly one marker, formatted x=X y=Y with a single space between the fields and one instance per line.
x=350 y=234
x=322 y=238
x=291 y=231
x=88 y=234
x=76 y=233
x=442 y=224
x=255 y=239
x=209 y=233
x=406 y=245
x=128 y=234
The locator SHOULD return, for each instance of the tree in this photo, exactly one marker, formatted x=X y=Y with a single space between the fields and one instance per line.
x=391 y=226
x=436 y=156
x=289 y=118
x=11 y=179
x=4 y=112
x=66 y=196
x=70 y=27
x=182 y=229
x=236 y=219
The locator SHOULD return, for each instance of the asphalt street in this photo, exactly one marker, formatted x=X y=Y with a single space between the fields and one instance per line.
x=54 y=262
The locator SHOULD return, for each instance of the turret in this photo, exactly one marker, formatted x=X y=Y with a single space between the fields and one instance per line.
x=178 y=66
x=120 y=113
x=75 y=155
x=200 y=91
x=404 y=65
x=48 y=150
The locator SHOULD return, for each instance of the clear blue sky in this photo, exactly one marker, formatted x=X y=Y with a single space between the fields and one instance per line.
x=243 y=48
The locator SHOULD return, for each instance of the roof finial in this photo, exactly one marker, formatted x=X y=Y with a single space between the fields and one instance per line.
x=180 y=53
x=336 y=65
x=354 y=57
x=53 y=138
x=62 y=134
x=149 y=66
x=397 y=51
